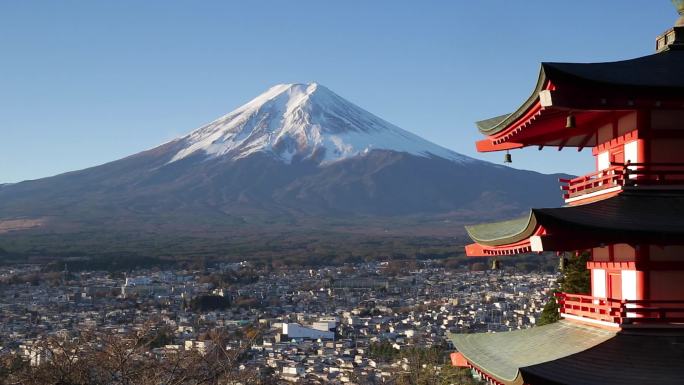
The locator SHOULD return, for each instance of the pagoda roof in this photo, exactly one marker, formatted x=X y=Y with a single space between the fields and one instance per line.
x=660 y=72
x=630 y=358
x=593 y=94
x=501 y=355
x=571 y=353
x=504 y=232
x=631 y=216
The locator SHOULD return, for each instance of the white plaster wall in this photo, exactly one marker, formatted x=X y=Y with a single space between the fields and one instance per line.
x=598 y=283
x=629 y=288
x=603 y=160
x=629 y=284
x=631 y=151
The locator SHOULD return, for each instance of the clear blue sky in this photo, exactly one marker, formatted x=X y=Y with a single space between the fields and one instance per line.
x=86 y=82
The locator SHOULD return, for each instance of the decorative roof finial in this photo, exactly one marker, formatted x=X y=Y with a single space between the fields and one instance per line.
x=679 y=4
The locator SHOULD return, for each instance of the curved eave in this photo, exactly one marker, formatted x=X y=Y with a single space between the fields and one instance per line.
x=631 y=217
x=504 y=232
x=546 y=126
x=503 y=238
x=610 y=86
x=495 y=125
x=502 y=355
x=478 y=250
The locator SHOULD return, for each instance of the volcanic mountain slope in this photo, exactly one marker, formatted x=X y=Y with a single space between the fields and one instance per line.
x=297 y=159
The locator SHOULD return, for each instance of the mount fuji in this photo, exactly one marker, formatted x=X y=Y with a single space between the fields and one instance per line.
x=297 y=168
x=304 y=122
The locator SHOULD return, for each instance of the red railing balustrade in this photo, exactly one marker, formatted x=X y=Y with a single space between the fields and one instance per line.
x=627 y=174
x=622 y=312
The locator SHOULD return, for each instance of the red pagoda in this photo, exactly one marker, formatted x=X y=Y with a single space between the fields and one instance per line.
x=628 y=214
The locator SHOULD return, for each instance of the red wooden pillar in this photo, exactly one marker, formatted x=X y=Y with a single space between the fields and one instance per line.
x=643 y=128
x=642 y=259
x=641 y=284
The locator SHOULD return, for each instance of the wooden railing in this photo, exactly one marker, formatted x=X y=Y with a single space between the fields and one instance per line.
x=586 y=306
x=622 y=312
x=627 y=174
x=652 y=312
x=596 y=181
x=653 y=174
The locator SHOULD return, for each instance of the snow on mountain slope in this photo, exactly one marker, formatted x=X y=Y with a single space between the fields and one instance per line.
x=304 y=121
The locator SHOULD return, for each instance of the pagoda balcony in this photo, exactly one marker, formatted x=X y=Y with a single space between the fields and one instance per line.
x=621 y=313
x=618 y=176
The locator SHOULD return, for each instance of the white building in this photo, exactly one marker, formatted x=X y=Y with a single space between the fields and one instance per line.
x=293 y=373
x=202 y=347
x=327 y=326
x=297 y=331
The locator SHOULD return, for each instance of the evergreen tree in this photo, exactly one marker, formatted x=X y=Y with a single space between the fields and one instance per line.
x=575 y=280
x=550 y=313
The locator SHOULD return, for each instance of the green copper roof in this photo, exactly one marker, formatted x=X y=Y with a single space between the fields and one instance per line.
x=494 y=125
x=504 y=232
x=488 y=124
x=634 y=214
x=503 y=354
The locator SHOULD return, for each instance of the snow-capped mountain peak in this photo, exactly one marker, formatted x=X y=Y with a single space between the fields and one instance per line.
x=304 y=121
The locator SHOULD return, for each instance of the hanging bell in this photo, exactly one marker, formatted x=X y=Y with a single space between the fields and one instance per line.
x=570 y=121
x=508 y=158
